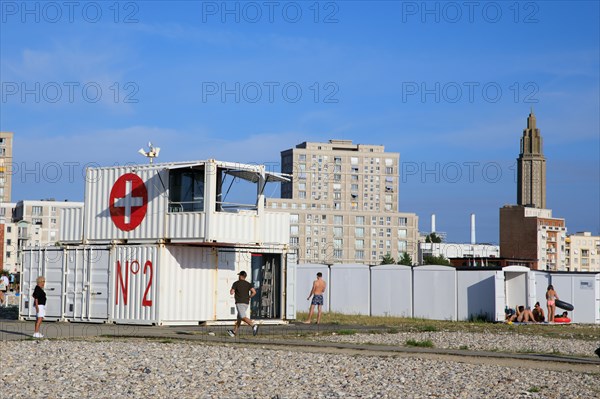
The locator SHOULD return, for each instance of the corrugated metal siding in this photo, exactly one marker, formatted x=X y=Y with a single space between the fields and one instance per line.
x=275 y=228
x=185 y=225
x=233 y=227
x=135 y=286
x=71 y=224
x=98 y=225
x=187 y=284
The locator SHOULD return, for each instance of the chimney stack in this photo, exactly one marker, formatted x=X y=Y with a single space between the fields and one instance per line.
x=473 y=240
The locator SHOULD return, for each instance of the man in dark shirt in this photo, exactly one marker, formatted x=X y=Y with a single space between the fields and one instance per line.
x=243 y=291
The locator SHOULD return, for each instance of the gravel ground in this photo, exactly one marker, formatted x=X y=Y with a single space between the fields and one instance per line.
x=141 y=368
x=501 y=342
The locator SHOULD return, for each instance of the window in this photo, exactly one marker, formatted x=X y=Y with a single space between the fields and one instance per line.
x=8 y=254
x=338 y=231
x=359 y=231
x=293 y=218
x=401 y=246
x=337 y=253
x=294 y=230
x=354 y=160
x=186 y=190
x=36 y=210
x=8 y=241
x=294 y=241
x=8 y=229
x=359 y=244
x=302 y=157
x=338 y=219
x=402 y=221
x=359 y=254
x=360 y=220
x=338 y=243
x=401 y=233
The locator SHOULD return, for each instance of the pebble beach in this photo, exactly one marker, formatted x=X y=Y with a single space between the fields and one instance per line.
x=135 y=368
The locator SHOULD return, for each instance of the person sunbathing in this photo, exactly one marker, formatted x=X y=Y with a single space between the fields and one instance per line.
x=524 y=315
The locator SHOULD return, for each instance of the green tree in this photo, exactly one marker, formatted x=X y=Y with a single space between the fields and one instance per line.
x=434 y=238
x=406 y=259
x=387 y=260
x=436 y=260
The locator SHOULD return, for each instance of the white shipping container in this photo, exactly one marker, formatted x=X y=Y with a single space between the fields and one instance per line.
x=179 y=203
x=154 y=284
x=71 y=225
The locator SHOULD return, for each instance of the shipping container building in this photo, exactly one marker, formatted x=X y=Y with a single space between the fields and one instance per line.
x=162 y=244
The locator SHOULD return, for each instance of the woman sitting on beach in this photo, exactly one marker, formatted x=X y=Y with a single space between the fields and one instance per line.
x=538 y=313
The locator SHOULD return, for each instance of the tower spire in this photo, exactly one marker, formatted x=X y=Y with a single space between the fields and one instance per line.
x=531 y=167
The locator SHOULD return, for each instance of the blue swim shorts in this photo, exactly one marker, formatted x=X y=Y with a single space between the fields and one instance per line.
x=317 y=300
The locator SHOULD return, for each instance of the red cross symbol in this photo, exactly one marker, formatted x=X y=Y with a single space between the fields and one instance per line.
x=128 y=202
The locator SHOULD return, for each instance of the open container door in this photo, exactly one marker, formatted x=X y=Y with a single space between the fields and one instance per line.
x=290 y=286
x=531 y=289
x=597 y=289
x=500 y=295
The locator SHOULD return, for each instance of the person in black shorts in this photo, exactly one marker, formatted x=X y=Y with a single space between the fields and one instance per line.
x=243 y=291
x=317 y=291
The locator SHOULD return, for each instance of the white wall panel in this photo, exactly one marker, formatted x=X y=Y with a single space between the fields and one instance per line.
x=98 y=225
x=350 y=288
x=476 y=294
x=306 y=274
x=136 y=277
x=435 y=293
x=391 y=291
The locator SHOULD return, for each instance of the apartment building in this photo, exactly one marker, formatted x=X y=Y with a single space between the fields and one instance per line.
x=533 y=234
x=583 y=252
x=8 y=238
x=343 y=203
x=6 y=142
x=45 y=214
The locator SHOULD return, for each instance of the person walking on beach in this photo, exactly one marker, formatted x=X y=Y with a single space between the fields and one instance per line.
x=551 y=297
x=3 y=289
x=316 y=292
x=243 y=291
x=39 y=297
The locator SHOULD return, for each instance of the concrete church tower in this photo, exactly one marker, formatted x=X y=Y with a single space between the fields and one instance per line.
x=531 y=167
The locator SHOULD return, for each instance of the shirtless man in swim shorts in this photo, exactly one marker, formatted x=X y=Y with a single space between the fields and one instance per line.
x=317 y=291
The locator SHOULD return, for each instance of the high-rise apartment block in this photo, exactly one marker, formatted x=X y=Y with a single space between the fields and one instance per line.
x=533 y=234
x=6 y=141
x=531 y=168
x=583 y=252
x=343 y=203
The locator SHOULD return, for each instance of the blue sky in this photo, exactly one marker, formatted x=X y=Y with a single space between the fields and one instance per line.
x=446 y=86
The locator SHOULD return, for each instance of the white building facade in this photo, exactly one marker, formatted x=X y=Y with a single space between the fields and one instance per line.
x=582 y=252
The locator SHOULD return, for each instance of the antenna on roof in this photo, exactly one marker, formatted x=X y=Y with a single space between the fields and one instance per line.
x=151 y=153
